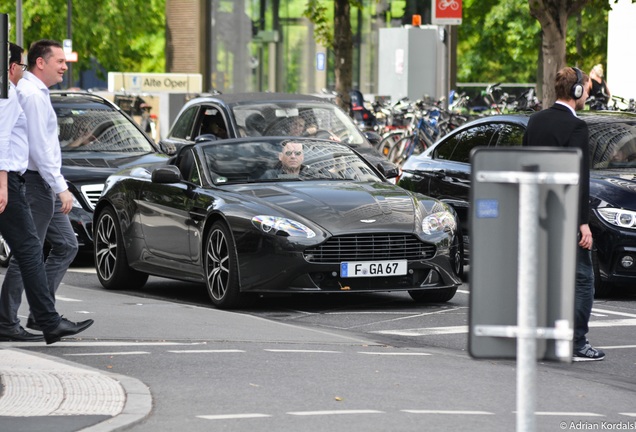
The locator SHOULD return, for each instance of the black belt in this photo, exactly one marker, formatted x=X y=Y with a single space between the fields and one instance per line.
x=32 y=172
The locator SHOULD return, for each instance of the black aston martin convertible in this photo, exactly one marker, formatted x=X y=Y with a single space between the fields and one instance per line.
x=229 y=214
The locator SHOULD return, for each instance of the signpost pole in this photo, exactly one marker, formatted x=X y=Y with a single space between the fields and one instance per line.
x=527 y=301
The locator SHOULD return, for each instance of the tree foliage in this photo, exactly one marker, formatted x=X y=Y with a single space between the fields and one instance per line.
x=121 y=35
x=338 y=38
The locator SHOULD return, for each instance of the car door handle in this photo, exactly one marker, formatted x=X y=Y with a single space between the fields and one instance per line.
x=439 y=173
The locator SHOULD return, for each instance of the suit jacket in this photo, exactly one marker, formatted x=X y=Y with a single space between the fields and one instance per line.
x=558 y=127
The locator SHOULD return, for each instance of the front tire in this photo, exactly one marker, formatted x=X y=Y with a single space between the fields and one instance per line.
x=221 y=268
x=602 y=289
x=111 y=262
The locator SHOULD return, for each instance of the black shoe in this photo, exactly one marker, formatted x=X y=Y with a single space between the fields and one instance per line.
x=20 y=335
x=66 y=328
x=33 y=325
x=588 y=353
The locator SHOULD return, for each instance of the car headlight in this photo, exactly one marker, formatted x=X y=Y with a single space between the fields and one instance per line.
x=619 y=217
x=439 y=221
x=282 y=226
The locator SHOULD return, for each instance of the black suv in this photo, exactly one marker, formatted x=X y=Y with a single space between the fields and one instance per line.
x=97 y=139
x=443 y=172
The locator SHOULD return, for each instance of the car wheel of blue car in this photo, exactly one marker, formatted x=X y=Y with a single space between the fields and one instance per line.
x=221 y=267
x=111 y=262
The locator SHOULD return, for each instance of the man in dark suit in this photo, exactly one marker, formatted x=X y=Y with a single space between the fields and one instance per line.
x=559 y=126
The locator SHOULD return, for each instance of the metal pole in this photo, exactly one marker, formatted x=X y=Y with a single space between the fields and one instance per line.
x=69 y=35
x=5 y=55
x=19 y=38
x=527 y=302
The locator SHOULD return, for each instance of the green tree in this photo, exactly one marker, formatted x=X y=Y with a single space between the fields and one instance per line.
x=121 y=35
x=337 y=37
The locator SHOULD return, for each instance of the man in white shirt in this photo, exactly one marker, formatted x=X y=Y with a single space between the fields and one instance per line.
x=16 y=223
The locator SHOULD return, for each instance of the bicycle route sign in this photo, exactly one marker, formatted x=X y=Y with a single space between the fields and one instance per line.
x=446 y=12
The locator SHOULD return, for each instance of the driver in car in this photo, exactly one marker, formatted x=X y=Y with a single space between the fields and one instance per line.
x=290 y=162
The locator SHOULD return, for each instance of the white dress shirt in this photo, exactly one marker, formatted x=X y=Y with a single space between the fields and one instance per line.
x=14 y=147
x=45 y=155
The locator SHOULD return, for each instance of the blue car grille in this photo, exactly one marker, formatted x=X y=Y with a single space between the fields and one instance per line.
x=370 y=247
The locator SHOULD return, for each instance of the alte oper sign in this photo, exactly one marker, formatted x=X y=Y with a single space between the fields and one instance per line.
x=131 y=82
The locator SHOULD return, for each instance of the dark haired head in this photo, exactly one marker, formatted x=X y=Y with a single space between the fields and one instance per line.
x=41 y=48
x=15 y=53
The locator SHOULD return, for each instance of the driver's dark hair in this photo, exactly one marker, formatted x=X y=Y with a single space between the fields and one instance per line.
x=41 y=48
x=15 y=53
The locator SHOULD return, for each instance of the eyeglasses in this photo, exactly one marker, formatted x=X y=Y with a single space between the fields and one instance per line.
x=22 y=66
x=296 y=153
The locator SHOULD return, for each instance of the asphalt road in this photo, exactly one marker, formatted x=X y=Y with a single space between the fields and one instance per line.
x=375 y=362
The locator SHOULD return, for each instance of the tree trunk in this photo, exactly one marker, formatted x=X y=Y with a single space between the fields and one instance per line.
x=554 y=22
x=343 y=51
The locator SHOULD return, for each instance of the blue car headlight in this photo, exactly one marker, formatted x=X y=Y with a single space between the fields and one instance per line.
x=618 y=217
x=438 y=222
x=276 y=225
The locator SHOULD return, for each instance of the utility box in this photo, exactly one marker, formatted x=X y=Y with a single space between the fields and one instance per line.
x=496 y=209
x=412 y=62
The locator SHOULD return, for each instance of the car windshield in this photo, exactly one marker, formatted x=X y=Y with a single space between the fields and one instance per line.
x=298 y=118
x=290 y=160
x=99 y=130
x=613 y=143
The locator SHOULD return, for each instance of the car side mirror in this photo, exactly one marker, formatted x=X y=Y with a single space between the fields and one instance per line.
x=166 y=174
x=373 y=137
x=168 y=148
x=388 y=173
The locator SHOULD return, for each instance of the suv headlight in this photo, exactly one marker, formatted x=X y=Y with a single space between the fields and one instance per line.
x=282 y=226
x=619 y=217
x=439 y=221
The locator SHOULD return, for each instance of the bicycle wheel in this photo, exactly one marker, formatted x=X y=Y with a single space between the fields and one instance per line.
x=401 y=150
x=388 y=141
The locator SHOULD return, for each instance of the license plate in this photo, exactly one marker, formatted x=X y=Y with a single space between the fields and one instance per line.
x=373 y=268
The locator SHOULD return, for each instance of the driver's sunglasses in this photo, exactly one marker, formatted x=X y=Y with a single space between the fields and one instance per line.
x=296 y=153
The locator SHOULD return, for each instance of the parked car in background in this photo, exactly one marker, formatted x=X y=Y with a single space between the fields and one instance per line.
x=96 y=139
x=223 y=116
x=222 y=213
x=443 y=172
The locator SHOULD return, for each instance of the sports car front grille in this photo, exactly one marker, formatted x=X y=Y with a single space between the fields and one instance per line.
x=370 y=247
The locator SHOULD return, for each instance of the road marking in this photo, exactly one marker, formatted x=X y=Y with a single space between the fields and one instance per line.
x=394 y=353
x=613 y=323
x=101 y=344
x=618 y=347
x=67 y=299
x=430 y=331
x=333 y=412
x=232 y=416
x=303 y=351
x=205 y=351
x=629 y=414
x=614 y=312
x=107 y=353
x=565 y=413
x=448 y=412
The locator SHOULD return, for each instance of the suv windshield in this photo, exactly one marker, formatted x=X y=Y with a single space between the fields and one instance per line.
x=315 y=119
x=98 y=130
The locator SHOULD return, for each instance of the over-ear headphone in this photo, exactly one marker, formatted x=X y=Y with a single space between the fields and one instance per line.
x=577 y=88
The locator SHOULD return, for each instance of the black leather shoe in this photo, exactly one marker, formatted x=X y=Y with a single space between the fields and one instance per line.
x=66 y=328
x=33 y=325
x=20 y=335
